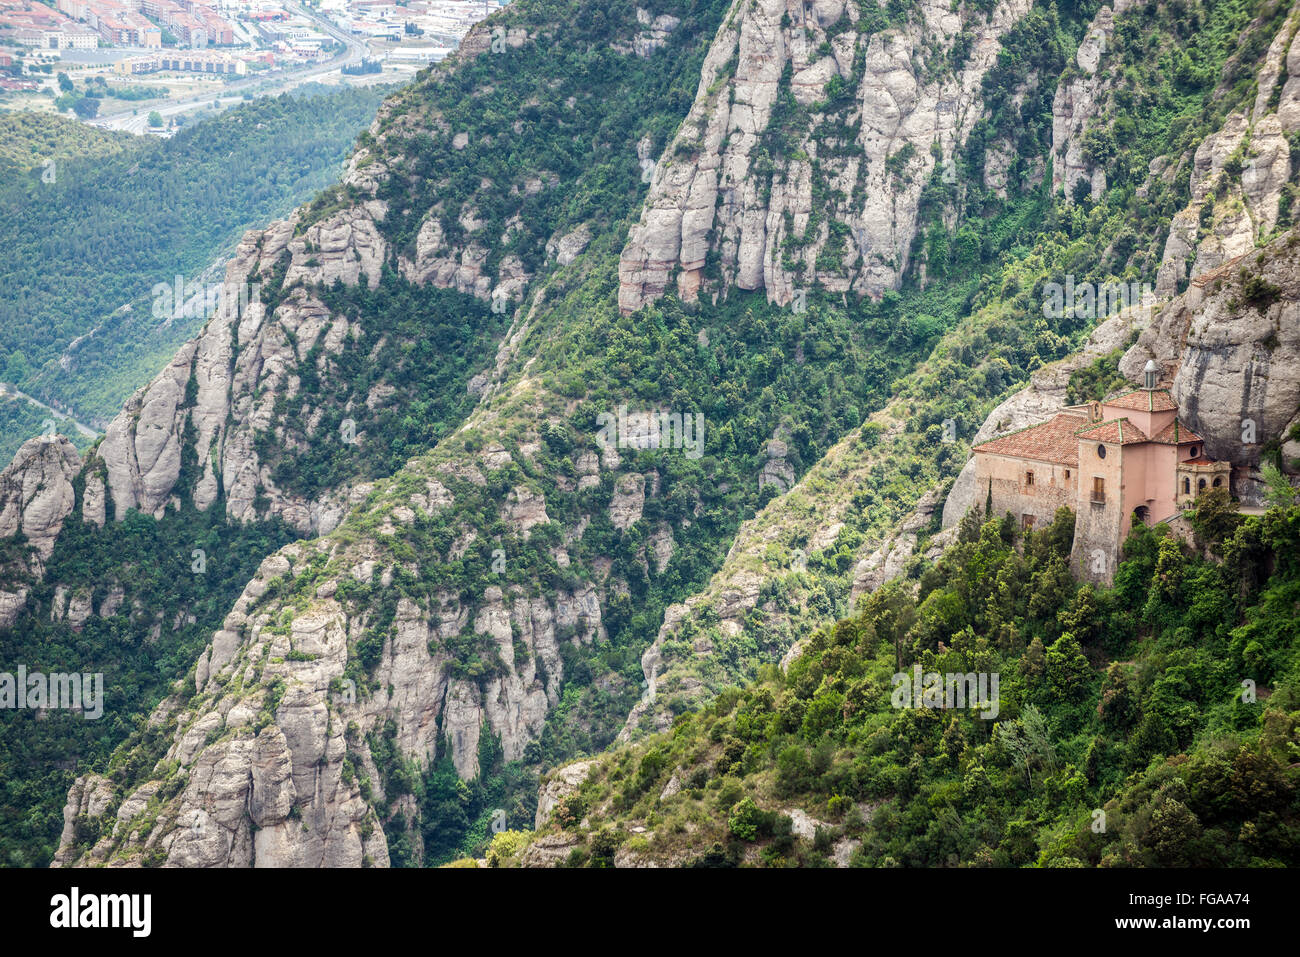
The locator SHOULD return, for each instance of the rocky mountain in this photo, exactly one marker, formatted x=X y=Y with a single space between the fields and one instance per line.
x=1230 y=348
x=469 y=376
x=36 y=496
x=803 y=158
x=82 y=331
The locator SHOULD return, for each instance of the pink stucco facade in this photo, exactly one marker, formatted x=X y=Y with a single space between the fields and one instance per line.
x=1113 y=462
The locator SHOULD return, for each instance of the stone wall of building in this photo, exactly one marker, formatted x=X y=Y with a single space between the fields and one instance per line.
x=1051 y=488
x=1098 y=525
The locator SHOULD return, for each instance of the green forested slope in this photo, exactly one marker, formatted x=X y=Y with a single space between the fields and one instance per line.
x=1149 y=724
x=949 y=348
x=30 y=140
x=111 y=226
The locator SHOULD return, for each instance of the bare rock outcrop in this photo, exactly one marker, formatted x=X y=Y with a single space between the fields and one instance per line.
x=266 y=759
x=889 y=560
x=1238 y=175
x=36 y=493
x=560 y=784
x=1080 y=99
x=715 y=190
x=1229 y=350
x=220 y=389
x=89 y=797
x=654 y=33
x=567 y=248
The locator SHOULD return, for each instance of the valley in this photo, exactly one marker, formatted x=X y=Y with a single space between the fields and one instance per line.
x=407 y=557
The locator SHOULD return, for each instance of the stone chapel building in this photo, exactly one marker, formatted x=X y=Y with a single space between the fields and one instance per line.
x=1126 y=458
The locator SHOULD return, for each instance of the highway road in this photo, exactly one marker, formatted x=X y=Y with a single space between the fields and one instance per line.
x=10 y=391
x=136 y=120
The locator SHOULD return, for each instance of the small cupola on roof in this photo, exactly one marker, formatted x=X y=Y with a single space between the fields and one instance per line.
x=1149 y=372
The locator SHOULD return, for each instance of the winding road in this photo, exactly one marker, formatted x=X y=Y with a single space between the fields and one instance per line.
x=85 y=430
x=136 y=119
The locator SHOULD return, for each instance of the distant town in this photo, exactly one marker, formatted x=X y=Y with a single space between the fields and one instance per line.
x=128 y=51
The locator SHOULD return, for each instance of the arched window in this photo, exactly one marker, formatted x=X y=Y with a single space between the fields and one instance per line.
x=1187 y=486
x=1218 y=482
x=1200 y=486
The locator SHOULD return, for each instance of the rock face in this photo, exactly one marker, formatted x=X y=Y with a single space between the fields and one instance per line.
x=462 y=267
x=718 y=189
x=36 y=496
x=563 y=783
x=36 y=492
x=628 y=502
x=653 y=35
x=1229 y=347
x=567 y=248
x=1080 y=99
x=278 y=727
x=1238 y=175
x=887 y=562
x=222 y=386
x=89 y=797
x=1233 y=363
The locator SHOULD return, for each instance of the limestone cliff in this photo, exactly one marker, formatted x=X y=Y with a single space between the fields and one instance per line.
x=1239 y=175
x=219 y=391
x=1229 y=348
x=1081 y=99
x=438 y=608
x=803 y=158
x=36 y=495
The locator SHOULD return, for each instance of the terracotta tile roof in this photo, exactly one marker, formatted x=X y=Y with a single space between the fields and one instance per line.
x=1199 y=460
x=1143 y=400
x=1050 y=441
x=1116 y=432
x=1175 y=433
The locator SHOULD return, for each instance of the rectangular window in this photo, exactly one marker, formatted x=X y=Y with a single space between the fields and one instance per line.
x=1098 y=489
x=1026 y=521
x=1029 y=478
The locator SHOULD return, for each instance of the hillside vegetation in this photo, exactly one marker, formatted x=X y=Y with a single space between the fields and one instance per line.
x=505 y=594
x=30 y=140
x=84 y=251
x=1149 y=724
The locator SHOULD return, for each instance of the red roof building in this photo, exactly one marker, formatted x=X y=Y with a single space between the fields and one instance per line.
x=1126 y=458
